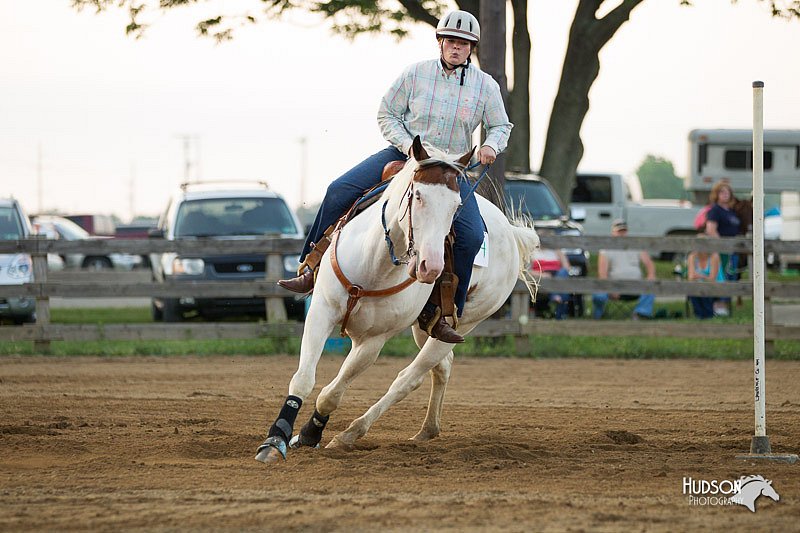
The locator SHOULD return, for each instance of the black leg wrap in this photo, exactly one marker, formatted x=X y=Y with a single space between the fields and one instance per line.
x=283 y=425
x=311 y=433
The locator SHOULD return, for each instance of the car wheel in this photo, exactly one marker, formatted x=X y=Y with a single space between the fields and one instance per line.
x=155 y=312
x=97 y=263
x=171 y=311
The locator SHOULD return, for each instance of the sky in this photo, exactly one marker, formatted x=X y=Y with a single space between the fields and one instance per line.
x=94 y=121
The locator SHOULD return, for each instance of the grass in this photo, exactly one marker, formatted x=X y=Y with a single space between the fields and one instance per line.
x=543 y=346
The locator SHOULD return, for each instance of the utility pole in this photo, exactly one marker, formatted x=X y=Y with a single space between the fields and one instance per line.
x=187 y=157
x=303 y=169
x=131 y=189
x=39 y=179
x=492 y=57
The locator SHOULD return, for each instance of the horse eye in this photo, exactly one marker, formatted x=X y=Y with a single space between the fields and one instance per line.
x=417 y=196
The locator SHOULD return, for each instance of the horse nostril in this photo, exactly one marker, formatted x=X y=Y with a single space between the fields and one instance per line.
x=423 y=267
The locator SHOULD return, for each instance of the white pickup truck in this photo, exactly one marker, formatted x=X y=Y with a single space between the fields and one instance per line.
x=606 y=197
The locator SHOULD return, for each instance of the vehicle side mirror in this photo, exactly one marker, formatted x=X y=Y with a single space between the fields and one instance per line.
x=155 y=233
x=577 y=213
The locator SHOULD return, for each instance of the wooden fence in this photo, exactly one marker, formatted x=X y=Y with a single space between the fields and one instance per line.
x=520 y=324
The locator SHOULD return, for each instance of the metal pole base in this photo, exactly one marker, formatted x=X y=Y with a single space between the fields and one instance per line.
x=760 y=449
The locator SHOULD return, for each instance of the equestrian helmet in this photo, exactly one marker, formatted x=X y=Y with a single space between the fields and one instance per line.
x=459 y=24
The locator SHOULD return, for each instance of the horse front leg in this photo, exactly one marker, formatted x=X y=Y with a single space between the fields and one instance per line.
x=319 y=324
x=409 y=379
x=362 y=356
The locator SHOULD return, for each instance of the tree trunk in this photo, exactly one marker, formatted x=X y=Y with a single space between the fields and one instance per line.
x=563 y=148
x=519 y=149
x=492 y=57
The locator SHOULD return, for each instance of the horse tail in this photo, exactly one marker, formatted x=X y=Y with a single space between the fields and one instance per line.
x=527 y=243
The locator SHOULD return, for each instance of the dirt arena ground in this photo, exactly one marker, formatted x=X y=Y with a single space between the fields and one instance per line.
x=167 y=444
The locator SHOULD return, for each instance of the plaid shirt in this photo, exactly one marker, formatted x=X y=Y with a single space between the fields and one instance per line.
x=425 y=101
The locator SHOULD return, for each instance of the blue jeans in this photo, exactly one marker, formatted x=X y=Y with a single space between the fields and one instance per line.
x=703 y=306
x=561 y=300
x=347 y=188
x=644 y=306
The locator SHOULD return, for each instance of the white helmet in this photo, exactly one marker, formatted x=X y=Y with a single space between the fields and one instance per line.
x=459 y=24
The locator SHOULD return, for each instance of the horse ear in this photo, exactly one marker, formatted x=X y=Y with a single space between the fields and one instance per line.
x=418 y=150
x=464 y=159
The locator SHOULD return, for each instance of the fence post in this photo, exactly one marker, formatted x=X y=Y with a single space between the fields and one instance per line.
x=39 y=258
x=520 y=306
x=276 y=312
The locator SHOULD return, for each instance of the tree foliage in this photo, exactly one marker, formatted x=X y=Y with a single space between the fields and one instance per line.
x=658 y=180
x=588 y=34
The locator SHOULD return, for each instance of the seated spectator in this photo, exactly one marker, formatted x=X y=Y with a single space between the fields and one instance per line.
x=561 y=300
x=623 y=264
x=704 y=266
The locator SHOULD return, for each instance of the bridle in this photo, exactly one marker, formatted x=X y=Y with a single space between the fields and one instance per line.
x=356 y=292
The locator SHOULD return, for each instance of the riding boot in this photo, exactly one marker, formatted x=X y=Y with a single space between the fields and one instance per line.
x=304 y=283
x=432 y=321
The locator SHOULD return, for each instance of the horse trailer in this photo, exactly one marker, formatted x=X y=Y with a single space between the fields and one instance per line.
x=728 y=155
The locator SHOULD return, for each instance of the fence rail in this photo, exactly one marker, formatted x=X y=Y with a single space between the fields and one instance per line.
x=71 y=284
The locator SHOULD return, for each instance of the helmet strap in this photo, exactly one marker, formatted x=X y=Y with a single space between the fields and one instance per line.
x=448 y=66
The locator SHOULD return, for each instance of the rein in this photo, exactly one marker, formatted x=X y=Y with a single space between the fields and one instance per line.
x=472 y=189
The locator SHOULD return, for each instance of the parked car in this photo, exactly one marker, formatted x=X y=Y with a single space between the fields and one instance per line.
x=534 y=197
x=15 y=269
x=222 y=212
x=55 y=227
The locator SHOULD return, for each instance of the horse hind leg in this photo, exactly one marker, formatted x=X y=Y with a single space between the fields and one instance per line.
x=407 y=380
x=440 y=375
x=362 y=355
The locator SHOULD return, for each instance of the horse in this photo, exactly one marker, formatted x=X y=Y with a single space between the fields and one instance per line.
x=415 y=213
x=751 y=487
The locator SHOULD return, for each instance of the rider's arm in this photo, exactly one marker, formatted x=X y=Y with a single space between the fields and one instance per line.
x=392 y=110
x=495 y=119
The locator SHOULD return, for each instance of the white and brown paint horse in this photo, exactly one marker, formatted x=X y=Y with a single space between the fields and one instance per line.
x=418 y=208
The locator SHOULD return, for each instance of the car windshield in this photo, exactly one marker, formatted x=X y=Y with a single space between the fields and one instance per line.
x=218 y=217
x=10 y=228
x=534 y=199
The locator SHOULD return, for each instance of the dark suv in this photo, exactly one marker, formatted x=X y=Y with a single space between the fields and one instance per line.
x=205 y=210
x=534 y=197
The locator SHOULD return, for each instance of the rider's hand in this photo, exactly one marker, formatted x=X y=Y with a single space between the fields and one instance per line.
x=487 y=155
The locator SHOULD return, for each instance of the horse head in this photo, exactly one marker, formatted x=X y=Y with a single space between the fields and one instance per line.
x=430 y=203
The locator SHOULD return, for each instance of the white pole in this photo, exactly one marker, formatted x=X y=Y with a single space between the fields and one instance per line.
x=759 y=388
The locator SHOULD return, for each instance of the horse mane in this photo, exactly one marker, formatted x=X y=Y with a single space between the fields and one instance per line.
x=748 y=479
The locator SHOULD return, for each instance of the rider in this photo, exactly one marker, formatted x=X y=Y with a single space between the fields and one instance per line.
x=443 y=101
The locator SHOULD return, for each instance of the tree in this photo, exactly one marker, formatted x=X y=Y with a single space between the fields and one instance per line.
x=658 y=180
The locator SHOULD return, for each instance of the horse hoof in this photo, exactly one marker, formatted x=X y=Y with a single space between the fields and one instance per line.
x=295 y=443
x=272 y=451
x=423 y=437
x=338 y=444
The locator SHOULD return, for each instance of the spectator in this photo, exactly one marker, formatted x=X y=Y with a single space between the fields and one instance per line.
x=623 y=264
x=559 y=300
x=703 y=266
x=722 y=221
